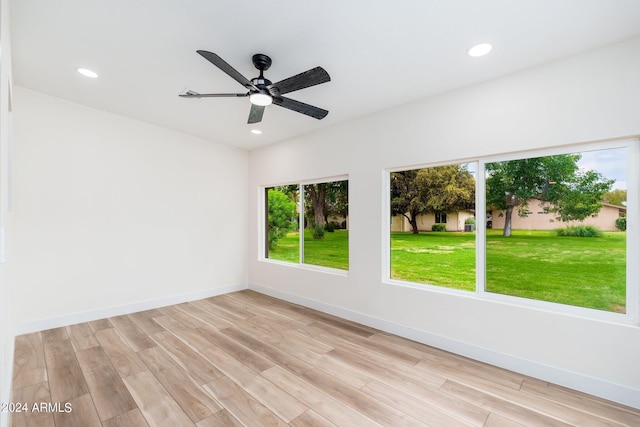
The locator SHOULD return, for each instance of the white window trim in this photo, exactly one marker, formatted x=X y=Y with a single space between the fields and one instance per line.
x=632 y=315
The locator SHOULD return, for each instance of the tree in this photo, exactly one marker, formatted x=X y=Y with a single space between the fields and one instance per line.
x=555 y=180
x=325 y=199
x=616 y=197
x=281 y=211
x=429 y=190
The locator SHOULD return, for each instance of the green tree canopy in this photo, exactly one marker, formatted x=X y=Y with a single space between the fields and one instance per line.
x=616 y=197
x=556 y=180
x=281 y=214
x=436 y=189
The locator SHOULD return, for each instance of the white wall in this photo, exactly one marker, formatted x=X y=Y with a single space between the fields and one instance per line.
x=6 y=328
x=112 y=215
x=589 y=97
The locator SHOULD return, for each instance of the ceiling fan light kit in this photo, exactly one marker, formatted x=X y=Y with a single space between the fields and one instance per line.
x=262 y=92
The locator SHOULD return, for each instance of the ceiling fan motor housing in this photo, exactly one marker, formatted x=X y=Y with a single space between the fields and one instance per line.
x=261 y=61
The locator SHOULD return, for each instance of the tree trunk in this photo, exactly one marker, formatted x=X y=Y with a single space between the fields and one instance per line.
x=317 y=194
x=507 y=221
x=512 y=201
x=413 y=221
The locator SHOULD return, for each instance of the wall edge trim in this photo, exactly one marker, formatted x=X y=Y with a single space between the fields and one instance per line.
x=102 y=313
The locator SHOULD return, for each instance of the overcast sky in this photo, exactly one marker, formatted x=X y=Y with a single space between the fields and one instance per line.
x=611 y=163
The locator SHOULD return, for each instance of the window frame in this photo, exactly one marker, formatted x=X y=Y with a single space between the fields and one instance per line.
x=632 y=314
x=263 y=220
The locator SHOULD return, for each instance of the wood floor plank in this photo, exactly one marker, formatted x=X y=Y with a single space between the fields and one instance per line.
x=365 y=403
x=32 y=394
x=501 y=407
x=201 y=316
x=222 y=308
x=81 y=414
x=188 y=335
x=411 y=405
x=311 y=419
x=100 y=324
x=495 y=420
x=193 y=400
x=132 y=334
x=242 y=405
x=191 y=361
x=329 y=407
x=82 y=336
x=274 y=354
x=132 y=418
x=596 y=407
x=281 y=403
x=205 y=311
x=251 y=358
x=123 y=358
x=29 y=366
x=273 y=305
x=391 y=365
x=220 y=419
x=109 y=394
x=66 y=380
x=144 y=320
x=155 y=403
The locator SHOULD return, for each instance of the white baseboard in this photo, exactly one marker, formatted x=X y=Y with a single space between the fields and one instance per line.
x=87 y=316
x=574 y=380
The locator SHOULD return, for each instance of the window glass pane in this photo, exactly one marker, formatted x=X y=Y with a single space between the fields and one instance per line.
x=282 y=240
x=433 y=226
x=556 y=228
x=326 y=232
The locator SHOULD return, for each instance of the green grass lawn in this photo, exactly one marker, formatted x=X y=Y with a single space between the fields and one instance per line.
x=332 y=251
x=580 y=271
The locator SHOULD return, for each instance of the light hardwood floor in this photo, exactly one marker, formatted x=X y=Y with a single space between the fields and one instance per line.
x=248 y=359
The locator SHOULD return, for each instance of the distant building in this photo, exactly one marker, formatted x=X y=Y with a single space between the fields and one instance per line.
x=539 y=218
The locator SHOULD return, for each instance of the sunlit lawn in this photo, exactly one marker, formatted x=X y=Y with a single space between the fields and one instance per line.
x=581 y=271
x=332 y=251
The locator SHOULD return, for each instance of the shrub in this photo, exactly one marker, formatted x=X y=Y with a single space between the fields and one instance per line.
x=330 y=227
x=621 y=223
x=439 y=227
x=578 y=231
x=318 y=232
x=470 y=221
x=281 y=209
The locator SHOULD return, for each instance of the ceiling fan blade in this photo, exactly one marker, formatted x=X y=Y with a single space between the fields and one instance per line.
x=312 y=77
x=228 y=69
x=192 y=94
x=300 y=107
x=255 y=114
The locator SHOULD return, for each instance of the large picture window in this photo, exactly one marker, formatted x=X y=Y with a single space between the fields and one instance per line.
x=308 y=224
x=433 y=226
x=559 y=228
x=551 y=227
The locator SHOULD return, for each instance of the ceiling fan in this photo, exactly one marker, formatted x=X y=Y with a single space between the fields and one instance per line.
x=262 y=92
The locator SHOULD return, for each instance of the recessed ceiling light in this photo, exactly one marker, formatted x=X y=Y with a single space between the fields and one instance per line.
x=88 y=73
x=256 y=131
x=479 y=50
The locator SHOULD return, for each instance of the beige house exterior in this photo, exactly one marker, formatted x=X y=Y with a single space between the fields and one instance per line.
x=538 y=218
x=454 y=221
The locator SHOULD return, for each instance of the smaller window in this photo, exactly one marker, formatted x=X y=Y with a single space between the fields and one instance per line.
x=308 y=224
x=441 y=218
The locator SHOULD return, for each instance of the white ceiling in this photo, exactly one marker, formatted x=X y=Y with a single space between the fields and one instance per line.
x=379 y=53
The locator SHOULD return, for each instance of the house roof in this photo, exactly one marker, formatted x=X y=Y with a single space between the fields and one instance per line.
x=379 y=54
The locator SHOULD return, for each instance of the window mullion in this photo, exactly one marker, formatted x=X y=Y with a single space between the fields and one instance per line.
x=301 y=223
x=481 y=229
